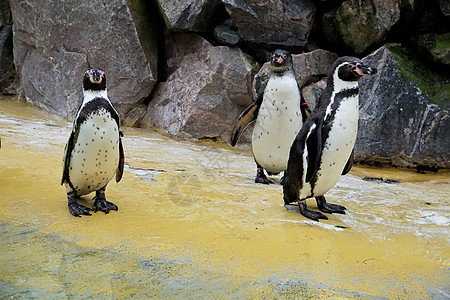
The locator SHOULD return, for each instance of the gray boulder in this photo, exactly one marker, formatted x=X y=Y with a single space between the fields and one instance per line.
x=202 y=96
x=7 y=71
x=311 y=93
x=399 y=124
x=273 y=23
x=357 y=25
x=227 y=33
x=188 y=15
x=54 y=44
x=445 y=7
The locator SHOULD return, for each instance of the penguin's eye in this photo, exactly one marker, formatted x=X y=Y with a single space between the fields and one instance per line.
x=284 y=56
x=349 y=66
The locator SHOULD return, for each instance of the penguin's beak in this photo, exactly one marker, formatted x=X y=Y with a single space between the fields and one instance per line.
x=96 y=76
x=362 y=70
x=279 y=60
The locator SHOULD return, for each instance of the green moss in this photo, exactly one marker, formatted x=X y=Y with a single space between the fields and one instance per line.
x=442 y=42
x=436 y=86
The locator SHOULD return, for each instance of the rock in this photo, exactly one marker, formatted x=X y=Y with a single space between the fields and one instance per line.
x=273 y=23
x=308 y=67
x=54 y=44
x=399 y=124
x=191 y=15
x=311 y=66
x=445 y=7
x=358 y=25
x=7 y=71
x=204 y=94
x=436 y=47
x=227 y=33
x=311 y=93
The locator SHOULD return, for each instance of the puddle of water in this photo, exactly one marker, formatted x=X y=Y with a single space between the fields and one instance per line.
x=202 y=228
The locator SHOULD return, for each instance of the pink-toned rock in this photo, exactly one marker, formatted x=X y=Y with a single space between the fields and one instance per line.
x=205 y=93
x=55 y=44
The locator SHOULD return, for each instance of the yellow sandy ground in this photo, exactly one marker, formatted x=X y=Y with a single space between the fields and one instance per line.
x=205 y=230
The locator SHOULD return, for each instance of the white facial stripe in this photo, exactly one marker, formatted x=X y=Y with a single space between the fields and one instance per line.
x=339 y=86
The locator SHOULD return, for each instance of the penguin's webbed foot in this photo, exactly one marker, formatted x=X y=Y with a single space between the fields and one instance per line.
x=263 y=179
x=103 y=205
x=78 y=210
x=310 y=214
x=329 y=208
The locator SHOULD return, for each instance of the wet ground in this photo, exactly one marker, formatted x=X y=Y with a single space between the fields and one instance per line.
x=192 y=224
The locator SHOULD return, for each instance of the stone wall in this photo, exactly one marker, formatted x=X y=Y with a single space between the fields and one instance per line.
x=187 y=67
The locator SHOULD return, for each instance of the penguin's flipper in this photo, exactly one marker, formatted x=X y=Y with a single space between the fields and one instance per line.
x=66 y=161
x=314 y=146
x=349 y=163
x=119 y=171
x=247 y=116
x=304 y=109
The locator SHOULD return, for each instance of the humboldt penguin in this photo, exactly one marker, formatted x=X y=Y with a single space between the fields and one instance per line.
x=279 y=112
x=323 y=149
x=94 y=152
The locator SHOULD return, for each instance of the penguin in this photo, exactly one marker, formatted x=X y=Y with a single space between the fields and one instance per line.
x=279 y=113
x=94 y=152
x=323 y=149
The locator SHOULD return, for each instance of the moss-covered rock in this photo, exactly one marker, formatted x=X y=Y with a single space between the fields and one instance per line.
x=357 y=25
x=399 y=124
x=436 y=47
x=436 y=85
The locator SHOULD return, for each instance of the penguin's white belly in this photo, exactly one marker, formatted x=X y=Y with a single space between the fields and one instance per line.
x=338 y=146
x=95 y=155
x=279 y=120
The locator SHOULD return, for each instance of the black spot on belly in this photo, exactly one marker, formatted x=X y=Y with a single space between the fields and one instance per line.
x=101 y=137
x=89 y=187
x=290 y=120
